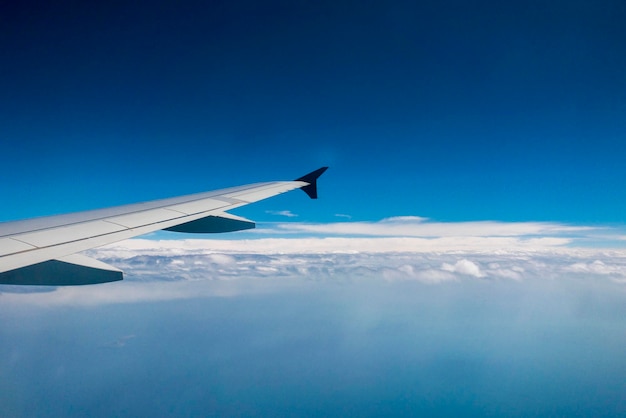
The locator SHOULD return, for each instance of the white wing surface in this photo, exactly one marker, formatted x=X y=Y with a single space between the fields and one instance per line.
x=42 y=251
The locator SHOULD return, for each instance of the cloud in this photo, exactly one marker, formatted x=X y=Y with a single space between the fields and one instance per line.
x=416 y=233
x=169 y=270
x=343 y=215
x=323 y=245
x=487 y=250
x=465 y=267
x=598 y=267
x=415 y=226
x=286 y=213
x=326 y=258
x=496 y=251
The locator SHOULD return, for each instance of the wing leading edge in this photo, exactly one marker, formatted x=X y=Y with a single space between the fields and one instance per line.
x=42 y=251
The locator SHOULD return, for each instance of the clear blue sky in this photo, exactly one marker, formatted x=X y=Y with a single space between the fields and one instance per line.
x=451 y=110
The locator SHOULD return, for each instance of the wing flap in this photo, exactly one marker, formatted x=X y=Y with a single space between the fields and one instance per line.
x=224 y=222
x=72 y=270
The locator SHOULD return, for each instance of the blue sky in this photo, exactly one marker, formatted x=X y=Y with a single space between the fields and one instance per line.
x=453 y=111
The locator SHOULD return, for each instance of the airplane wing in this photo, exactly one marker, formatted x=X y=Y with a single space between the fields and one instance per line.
x=42 y=251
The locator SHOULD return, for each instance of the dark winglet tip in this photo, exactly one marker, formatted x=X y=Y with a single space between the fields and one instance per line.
x=311 y=178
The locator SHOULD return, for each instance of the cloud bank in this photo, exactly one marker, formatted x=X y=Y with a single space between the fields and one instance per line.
x=400 y=248
x=416 y=226
x=289 y=258
x=395 y=249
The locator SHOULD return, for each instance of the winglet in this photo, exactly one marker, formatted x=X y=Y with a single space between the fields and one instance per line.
x=311 y=178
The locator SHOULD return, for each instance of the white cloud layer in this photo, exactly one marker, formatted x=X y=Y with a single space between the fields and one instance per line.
x=415 y=226
x=285 y=213
x=484 y=251
x=166 y=270
x=318 y=258
x=400 y=248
